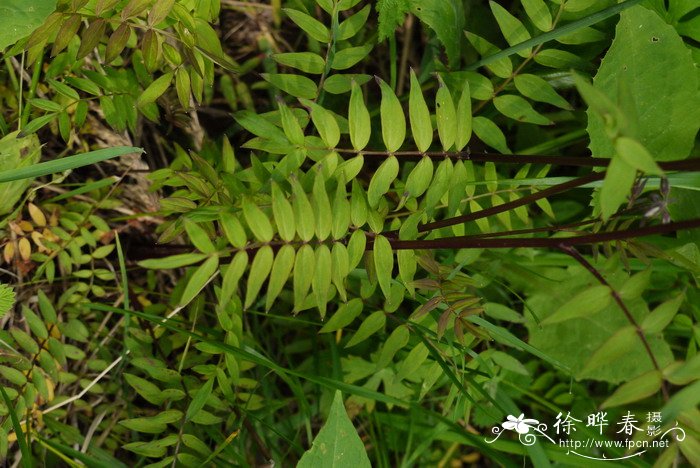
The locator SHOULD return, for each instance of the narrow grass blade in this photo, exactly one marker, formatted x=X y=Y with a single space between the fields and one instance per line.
x=64 y=164
x=27 y=461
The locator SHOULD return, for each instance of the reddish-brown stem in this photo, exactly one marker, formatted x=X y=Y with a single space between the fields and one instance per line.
x=616 y=297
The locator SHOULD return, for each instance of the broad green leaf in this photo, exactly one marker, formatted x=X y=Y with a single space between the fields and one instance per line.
x=636 y=389
x=358 y=119
x=20 y=18
x=392 y=117
x=311 y=26
x=382 y=179
x=464 y=118
x=257 y=221
x=384 y=263
x=308 y=62
x=661 y=83
x=155 y=90
x=489 y=133
x=337 y=443
x=259 y=270
x=295 y=85
x=372 y=324
x=344 y=316
x=350 y=56
x=636 y=155
x=446 y=18
x=588 y=302
x=538 y=89
x=662 y=315
x=445 y=117
x=618 y=182
x=519 y=109
x=321 y=282
x=421 y=126
x=511 y=27
x=281 y=270
x=538 y=12
x=419 y=179
x=396 y=340
x=199 y=279
x=199 y=237
x=199 y=399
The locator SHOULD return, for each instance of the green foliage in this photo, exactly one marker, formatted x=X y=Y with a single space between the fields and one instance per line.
x=346 y=236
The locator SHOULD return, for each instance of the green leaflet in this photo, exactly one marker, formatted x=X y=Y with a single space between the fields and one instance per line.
x=257 y=221
x=370 y=325
x=325 y=123
x=489 y=133
x=464 y=118
x=308 y=62
x=337 y=443
x=321 y=282
x=358 y=119
x=311 y=26
x=382 y=179
x=259 y=271
x=281 y=270
x=392 y=117
x=420 y=177
x=199 y=279
x=538 y=89
x=511 y=27
x=304 y=266
x=344 y=316
x=383 y=263
x=539 y=14
x=446 y=117
x=619 y=179
x=519 y=109
x=283 y=214
x=421 y=126
x=588 y=302
x=296 y=85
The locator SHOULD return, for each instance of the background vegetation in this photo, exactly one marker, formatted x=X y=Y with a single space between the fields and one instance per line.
x=226 y=223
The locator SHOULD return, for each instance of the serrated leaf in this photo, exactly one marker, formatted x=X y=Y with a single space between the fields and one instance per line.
x=392 y=117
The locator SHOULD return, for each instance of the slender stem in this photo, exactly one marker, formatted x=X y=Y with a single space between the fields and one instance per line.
x=616 y=296
x=469 y=242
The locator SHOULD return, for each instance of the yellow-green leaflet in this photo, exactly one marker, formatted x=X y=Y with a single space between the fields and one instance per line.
x=446 y=117
x=421 y=126
x=382 y=179
x=464 y=118
x=384 y=263
x=321 y=283
x=393 y=120
x=16 y=153
x=259 y=269
x=281 y=269
x=358 y=119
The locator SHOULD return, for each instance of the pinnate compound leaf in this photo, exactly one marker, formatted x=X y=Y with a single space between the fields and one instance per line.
x=649 y=57
x=337 y=443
